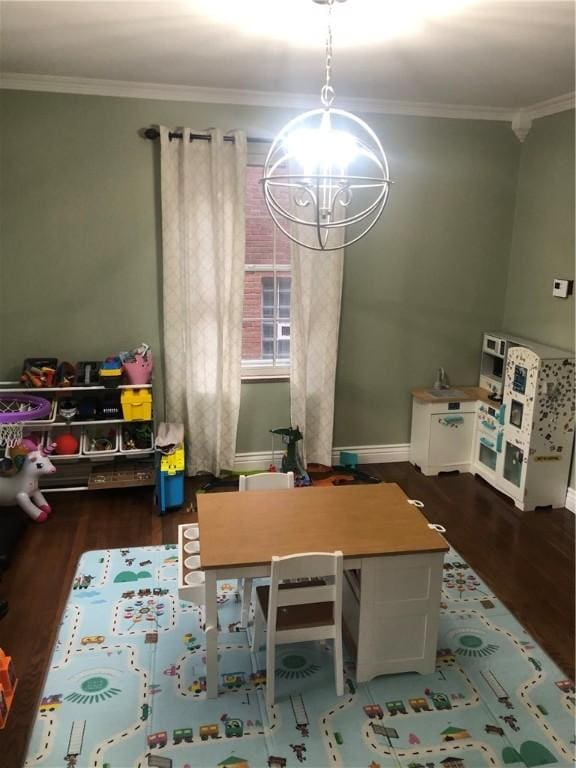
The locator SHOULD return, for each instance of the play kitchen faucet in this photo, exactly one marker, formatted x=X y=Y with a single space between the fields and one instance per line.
x=442 y=381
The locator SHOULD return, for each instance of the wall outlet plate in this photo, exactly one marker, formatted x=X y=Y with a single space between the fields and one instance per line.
x=562 y=288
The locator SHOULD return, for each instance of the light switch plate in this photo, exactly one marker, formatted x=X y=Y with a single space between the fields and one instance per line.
x=562 y=288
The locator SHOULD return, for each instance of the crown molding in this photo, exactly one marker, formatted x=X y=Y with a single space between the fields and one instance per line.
x=521 y=119
x=552 y=106
x=158 y=91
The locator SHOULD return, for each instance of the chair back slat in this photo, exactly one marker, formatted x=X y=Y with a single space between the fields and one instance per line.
x=266 y=481
x=313 y=566
x=303 y=595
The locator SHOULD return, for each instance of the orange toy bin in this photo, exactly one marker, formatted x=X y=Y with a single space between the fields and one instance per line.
x=8 y=683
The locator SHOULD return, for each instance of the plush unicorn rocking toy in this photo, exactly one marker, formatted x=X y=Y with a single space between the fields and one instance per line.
x=22 y=488
x=19 y=485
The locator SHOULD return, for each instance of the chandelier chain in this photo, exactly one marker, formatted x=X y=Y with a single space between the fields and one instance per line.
x=309 y=181
x=327 y=93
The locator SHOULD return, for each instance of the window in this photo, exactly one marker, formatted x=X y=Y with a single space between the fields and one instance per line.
x=267 y=286
x=276 y=331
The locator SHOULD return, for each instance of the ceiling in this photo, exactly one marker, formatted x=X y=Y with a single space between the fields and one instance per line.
x=496 y=54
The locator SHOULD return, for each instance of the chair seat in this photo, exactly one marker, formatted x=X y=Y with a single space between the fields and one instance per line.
x=297 y=616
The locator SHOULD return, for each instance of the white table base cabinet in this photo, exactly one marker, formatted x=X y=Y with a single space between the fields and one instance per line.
x=391 y=609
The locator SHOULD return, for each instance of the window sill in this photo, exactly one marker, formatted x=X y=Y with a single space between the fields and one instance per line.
x=252 y=378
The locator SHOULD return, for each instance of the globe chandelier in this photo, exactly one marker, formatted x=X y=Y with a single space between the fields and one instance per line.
x=309 y=190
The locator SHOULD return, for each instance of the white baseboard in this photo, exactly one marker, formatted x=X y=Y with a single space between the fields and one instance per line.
x=367 y=454
x=253 y=461
x=375 y=454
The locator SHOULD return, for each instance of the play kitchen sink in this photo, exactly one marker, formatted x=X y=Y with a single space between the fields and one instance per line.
x=446 y=393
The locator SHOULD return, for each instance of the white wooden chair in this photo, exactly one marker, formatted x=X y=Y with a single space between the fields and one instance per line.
x=263 y=481
x=296 y=611
x=266 y=481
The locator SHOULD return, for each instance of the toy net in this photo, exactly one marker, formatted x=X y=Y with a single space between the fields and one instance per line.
x=14 y=411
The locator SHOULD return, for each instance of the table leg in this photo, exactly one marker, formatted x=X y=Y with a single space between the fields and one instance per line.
x=211 y=635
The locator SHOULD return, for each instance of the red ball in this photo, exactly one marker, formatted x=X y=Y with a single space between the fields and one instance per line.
x=66 y=444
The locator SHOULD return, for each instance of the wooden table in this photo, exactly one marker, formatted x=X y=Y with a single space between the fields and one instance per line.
x=392 y=558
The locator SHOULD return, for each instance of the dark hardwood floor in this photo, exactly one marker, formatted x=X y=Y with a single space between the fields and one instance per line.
x=526 y=558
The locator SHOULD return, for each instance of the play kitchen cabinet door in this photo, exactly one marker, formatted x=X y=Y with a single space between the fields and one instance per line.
x=442 y=436
x=451 y=438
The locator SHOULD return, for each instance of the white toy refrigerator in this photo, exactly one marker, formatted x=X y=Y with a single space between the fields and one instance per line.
x=538 y=433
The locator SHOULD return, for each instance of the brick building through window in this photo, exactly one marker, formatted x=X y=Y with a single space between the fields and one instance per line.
x=267 y=285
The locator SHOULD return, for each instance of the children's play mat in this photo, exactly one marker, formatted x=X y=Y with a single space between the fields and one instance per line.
x=125 y=686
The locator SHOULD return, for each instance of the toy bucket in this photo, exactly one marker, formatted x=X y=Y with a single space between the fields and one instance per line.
x=139 y=370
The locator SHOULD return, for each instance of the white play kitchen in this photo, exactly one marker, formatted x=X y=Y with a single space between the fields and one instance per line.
x=515 y=430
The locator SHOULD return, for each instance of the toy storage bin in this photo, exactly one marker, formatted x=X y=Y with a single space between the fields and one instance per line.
x=95 y=436
x=110 y=379
x=48 y=419
x=88 y=373
x=39 y=436
x=39 y=371
x=169 y=490
x=139 y=369
x=56 y=432
x=136 y=404
x=110 y=374
x=136 y=438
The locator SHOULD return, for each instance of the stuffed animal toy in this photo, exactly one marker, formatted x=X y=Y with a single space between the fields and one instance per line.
x=22 y=488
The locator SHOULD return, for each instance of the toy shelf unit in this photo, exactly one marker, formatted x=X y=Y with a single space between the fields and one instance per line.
x=104 y=436
x=524 y=445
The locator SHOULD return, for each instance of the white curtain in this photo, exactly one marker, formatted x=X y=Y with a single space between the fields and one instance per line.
x=316 y=299
x=203 y=191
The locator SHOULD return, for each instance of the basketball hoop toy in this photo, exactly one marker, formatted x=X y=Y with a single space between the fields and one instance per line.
x=14 y=411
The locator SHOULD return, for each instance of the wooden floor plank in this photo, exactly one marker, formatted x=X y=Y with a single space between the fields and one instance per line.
x=527 y=559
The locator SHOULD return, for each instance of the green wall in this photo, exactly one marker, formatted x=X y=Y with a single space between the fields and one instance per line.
x=543 y=237
x=421 y=288
x=81 y=258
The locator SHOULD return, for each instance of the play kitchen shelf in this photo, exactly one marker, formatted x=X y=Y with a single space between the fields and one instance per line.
x=111 y=434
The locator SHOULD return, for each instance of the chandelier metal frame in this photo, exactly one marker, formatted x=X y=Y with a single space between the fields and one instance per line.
x=326 y=195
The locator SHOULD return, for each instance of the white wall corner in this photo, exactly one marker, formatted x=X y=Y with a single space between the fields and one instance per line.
x=521 y=124
x=571 y=500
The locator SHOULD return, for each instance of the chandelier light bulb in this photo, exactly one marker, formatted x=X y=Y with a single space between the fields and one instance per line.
x=317 y=150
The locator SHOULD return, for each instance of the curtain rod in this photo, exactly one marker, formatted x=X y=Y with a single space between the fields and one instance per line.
x=154 y=133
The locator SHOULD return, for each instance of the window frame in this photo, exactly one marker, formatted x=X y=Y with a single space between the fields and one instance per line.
x=258 y=371
x=274 y=371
